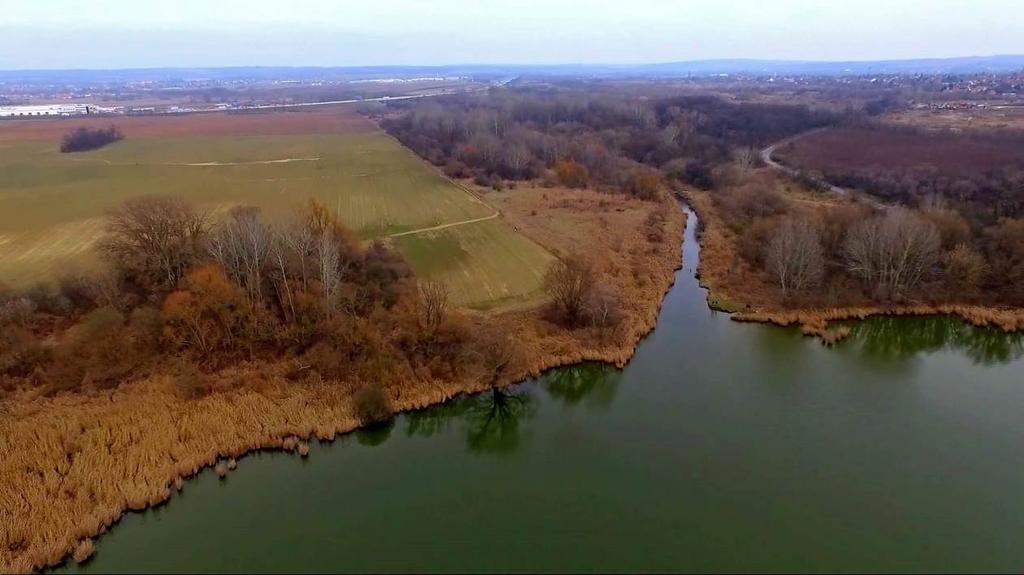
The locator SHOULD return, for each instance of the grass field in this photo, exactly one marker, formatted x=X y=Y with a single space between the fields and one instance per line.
x=52 y=205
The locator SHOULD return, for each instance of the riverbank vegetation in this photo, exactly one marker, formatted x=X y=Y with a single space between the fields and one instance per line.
x=791 y=256
x=203 y=337
x=212 y=337
x=213 y=294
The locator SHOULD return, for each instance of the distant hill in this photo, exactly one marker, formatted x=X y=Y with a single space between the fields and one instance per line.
x=963 y=65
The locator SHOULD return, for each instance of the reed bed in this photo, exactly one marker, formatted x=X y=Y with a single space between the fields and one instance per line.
x=73 y=464
x=815 y=322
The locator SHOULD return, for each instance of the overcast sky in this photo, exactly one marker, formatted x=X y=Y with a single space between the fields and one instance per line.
x=137 y=33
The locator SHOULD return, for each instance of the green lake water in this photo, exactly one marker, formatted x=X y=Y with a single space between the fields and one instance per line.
x=721 y=447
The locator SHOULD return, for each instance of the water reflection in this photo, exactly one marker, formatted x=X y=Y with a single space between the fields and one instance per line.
x=903 y=337
x=375 y=434
x=492 y=420
x=430 y=421
x=594 y=384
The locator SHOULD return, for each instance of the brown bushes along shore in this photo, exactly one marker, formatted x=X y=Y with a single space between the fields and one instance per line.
x=73 y=463
x=735 y=287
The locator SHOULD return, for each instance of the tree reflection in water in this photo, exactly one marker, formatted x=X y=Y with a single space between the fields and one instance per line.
x=375 y=434
x=490 y=420
x=902 y=337
x=430 y=421
x=596 y=383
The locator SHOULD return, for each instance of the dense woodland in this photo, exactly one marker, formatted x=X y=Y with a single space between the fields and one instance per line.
x=606 y=139
x=957 y=236
x=85 y=138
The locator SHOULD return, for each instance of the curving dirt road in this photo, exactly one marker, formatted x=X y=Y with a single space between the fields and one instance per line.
x=766 y=157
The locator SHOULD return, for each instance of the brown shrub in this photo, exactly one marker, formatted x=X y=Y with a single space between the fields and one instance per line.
x=645 y=184
x=751 y=243
x=96 y=352
x=964 y=271
x=571 y=174
x=210 y=318
x=754 y=199
x=21 y=352
x=372 y=404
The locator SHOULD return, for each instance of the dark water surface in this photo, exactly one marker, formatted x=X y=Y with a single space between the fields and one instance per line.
x=722 y=446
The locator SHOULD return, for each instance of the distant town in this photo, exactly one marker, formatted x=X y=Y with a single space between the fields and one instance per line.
x=31 y=99
x=143 y=92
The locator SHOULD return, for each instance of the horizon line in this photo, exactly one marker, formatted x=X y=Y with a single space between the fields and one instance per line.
x=523 y=65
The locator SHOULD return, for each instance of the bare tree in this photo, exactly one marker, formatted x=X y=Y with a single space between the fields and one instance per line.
x=892 y=252
x=601 y=306
x=280 y=255
x=328 y=260
x=154 y=239
x=434 y=295
x=499 y=356
x=241 y=245
x=794 y=255
x=298 y=240
x=745 y=158
x=568 y=282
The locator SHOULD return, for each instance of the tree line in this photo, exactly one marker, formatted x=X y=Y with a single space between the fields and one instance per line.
x=575 y=137
x=835 y=254
x=84 y=138
x=188 y=296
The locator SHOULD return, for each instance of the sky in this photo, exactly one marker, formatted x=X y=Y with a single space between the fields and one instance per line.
x=40 y=34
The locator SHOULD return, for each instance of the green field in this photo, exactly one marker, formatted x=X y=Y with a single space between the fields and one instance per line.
x=52 y=205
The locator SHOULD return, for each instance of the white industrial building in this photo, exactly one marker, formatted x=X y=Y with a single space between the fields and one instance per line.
x=50 y=110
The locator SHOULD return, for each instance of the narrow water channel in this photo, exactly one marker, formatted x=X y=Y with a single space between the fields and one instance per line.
x=722 y=446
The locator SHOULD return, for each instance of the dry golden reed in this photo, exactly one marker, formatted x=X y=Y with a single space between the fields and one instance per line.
x=73 y=464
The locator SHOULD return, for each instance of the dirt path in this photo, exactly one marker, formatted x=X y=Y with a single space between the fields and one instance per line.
x=771 y=162
x=445 y=226
x=249 y=163
x=252 y=163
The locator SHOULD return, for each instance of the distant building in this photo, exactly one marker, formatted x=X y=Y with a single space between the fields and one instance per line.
x=47 y=110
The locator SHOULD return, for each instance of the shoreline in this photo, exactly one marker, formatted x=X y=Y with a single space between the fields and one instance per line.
x=816 y=321
x=192 y=435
